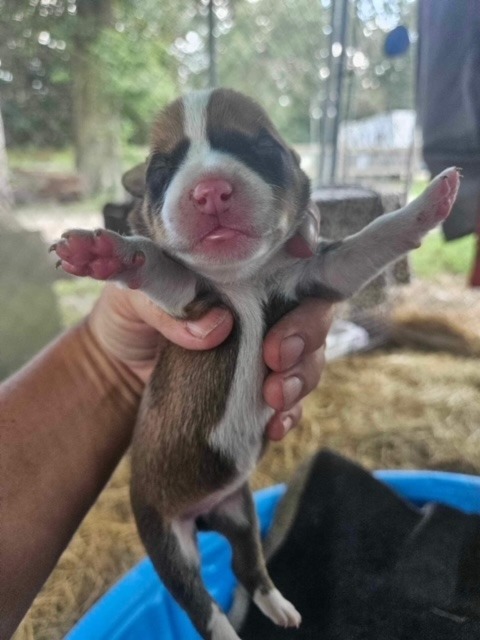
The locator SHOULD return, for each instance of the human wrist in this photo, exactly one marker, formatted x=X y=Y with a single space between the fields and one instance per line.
x=103 y=368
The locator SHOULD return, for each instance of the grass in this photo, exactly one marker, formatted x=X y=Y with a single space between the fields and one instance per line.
x=436 y=256
x=417 y=187
x=29 y=158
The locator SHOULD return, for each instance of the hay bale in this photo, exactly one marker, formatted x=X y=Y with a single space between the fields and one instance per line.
x=442 y=314
x=389 y=410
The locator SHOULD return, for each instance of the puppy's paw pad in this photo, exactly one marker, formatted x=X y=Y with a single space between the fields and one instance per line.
x=99 y=254
x=277 y=608
x=440 y=197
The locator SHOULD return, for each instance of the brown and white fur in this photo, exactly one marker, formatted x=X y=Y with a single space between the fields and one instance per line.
x=222 y=195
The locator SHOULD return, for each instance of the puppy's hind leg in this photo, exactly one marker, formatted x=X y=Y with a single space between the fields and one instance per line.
x=173 y=550
x=236 y=519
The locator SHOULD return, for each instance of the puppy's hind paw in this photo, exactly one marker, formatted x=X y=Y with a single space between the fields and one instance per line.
x=277 y=608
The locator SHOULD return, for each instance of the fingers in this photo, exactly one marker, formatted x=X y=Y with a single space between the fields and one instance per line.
x=294 y=350
x=299 y=333
x=281 y=423
x=205 y=333
x=282 y=391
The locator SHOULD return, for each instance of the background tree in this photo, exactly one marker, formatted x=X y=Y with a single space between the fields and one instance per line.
x=96 y=110
x=92 y=73
x=278 y=51
x=5 y=192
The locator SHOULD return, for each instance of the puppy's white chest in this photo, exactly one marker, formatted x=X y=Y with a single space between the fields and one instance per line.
x=239 y=434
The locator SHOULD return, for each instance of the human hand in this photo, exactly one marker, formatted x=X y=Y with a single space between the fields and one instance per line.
x=131 y=328
x=294 y=350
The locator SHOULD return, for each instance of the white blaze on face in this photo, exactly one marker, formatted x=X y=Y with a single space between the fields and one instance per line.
x=253 y=207
x=195 y=115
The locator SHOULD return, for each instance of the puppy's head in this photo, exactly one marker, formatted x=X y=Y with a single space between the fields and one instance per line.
x=220 y=188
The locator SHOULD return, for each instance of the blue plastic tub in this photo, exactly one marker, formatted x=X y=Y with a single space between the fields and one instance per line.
x=139 y=607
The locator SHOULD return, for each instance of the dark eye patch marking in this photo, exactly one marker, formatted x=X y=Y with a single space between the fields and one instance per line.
x=162 y=167
x=263 y=154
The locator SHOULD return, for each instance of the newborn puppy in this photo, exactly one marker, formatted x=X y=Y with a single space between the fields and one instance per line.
x=221 y=197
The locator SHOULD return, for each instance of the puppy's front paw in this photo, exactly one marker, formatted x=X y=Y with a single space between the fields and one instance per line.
x=436 y=203
x=277 y=608
x=99 y=254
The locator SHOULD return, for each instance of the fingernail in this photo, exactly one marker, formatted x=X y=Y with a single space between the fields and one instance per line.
x=290 y=351
x=287 y=424
x=292 y=388
x=204 y=327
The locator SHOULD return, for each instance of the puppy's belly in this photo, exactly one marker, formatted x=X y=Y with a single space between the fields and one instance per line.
x=176 y=465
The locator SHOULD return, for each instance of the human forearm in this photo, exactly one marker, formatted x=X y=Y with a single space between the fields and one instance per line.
x=65 y=421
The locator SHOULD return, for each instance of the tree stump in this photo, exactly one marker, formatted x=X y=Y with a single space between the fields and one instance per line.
x=346 y=210
x=30 y=317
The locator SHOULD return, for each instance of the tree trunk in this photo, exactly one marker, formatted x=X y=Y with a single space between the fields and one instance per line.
x=6 y=198
x=96 y=113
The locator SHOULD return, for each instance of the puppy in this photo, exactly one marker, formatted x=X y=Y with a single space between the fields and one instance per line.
x=221 y=197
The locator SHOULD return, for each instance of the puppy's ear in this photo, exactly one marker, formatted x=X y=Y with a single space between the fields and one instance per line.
x=296 y=156
x=134 y=180
x=307 y=237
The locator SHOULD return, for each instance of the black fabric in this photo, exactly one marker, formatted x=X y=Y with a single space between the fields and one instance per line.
x=359 y=563
x=448 y=100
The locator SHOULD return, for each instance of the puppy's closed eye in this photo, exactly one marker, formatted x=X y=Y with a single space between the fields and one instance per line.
x=266 y=144
x=162 y=168
x=159 y=174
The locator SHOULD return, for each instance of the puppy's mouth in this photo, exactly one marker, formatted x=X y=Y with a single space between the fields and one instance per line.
x=222 y=233
x=224 y=240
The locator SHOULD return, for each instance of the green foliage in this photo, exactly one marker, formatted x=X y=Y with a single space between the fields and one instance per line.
x=33 y=81
x=274 y=50
x=38 y=41
x=140 y=88
x=51 y=159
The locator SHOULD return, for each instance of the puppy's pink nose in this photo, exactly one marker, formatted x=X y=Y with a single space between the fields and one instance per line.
x=211 y=195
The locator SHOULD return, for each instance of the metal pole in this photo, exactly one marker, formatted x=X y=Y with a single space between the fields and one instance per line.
x=212 y=49
x=325 y=121
x=333 y=99
x=339 y=88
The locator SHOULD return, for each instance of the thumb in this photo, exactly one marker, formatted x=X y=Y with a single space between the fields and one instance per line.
x=206 y=332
